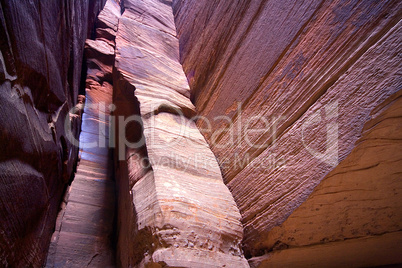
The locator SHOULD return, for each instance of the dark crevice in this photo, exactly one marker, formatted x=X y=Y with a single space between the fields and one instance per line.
x=84 y=71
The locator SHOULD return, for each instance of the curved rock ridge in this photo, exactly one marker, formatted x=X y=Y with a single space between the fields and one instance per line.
x=180 y=212
x=41 y=51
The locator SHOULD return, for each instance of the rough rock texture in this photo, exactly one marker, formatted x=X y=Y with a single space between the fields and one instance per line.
x=367 y=251
x=182 y=213
x=296 y=81
x=84 y=231
x=359 y=198
x=41 y=45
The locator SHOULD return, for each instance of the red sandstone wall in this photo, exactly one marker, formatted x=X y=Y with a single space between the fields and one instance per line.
x=298 y=82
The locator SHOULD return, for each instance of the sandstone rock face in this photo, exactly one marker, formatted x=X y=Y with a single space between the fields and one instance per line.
x=174 y=209
x=356 y=202
x=284 y=90
x=40 y=70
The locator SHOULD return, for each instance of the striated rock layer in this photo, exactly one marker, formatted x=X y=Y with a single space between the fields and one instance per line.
x=174 y=209
x=284 y=90
x=353 y=217
x=41 y=45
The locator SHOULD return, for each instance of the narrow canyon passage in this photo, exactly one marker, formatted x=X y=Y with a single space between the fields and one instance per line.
x=200 y=133
x=173 y=207
x=84 y=229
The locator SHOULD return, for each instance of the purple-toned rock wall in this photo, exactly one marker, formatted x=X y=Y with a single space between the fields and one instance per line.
x=41 y=45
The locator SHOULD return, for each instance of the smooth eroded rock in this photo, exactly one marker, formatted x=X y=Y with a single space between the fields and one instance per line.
x=41 y=55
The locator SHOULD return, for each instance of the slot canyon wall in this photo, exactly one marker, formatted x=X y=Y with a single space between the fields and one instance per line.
x=41 y=45
x=300 y=101
x=245 y=133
